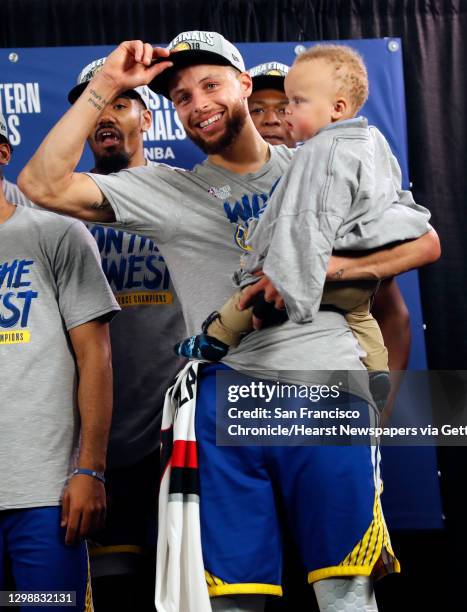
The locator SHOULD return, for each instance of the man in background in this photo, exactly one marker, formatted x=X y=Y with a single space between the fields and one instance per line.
x=122 y=555
x=268 y=102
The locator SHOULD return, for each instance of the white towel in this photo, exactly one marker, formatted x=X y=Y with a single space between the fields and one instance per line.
x=180 y=579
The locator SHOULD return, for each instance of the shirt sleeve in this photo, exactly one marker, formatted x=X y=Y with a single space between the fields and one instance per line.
x=297 y=231
x=420 y=214
x=145 y=200
x=83 y=291
x=383 y=212
x=14 y=195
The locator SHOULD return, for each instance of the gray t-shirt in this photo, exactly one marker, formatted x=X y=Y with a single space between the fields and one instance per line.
x=142 y=336
x=198 y=219
x=13 y=194
x=342 y=191
x=51 y=281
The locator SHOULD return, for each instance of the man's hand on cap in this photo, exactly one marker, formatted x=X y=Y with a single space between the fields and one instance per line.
x=131 y=64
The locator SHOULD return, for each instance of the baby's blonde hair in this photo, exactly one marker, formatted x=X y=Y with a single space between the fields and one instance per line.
x=350 y=72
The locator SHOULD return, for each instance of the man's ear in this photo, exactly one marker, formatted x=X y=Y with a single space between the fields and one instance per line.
x=339 y=109
x=5 y=153
x=246 y=83
x=146 y=119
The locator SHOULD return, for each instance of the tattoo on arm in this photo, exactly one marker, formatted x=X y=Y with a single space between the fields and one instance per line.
x=339 y=274
x=96 y=100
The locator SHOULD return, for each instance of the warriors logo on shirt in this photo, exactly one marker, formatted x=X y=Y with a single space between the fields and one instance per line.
x=250 y=206
x=241 y=236
x=241 y=212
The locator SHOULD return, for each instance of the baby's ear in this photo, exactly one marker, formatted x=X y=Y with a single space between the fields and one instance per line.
x=339 y=109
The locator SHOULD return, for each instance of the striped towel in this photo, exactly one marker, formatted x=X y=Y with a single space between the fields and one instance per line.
x=180 y=579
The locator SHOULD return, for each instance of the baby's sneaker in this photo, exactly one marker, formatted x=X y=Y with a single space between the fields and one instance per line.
x=202 y=346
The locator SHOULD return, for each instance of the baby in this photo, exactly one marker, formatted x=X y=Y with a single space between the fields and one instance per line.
x=342 y=191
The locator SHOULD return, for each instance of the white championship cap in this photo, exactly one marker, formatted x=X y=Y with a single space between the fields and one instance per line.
x=196 y=47
x=87 y=74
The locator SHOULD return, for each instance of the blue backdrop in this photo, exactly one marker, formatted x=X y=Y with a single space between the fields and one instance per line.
x=34 y=83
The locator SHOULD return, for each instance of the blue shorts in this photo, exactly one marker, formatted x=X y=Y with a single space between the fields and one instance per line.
x=330 y=495
x=33 y=543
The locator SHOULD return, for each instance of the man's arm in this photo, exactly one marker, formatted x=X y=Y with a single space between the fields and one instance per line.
x=84 y=498
x=386 y=262
x=392 y=315
x=377 y=265
x=49 y=178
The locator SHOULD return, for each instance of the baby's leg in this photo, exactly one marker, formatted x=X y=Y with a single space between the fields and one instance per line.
x=348 y=295
x=230 y=323
x=369 y=336
x=366 y=329
x=225 y=328
x=354 y=300
x=221 y=330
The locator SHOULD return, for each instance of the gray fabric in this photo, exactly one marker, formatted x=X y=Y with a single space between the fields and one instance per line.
x=14 y=195
x=142 y=337
x=343 y=191
x=39 y=417
x=198 y=219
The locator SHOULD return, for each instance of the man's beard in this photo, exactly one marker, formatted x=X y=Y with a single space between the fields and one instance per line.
x=114 y=162
x=233 y=128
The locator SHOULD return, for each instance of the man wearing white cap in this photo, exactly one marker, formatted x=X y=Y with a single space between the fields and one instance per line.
x=116 y=145
x=122 y=554
x=268 y=102
x=199 y=220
